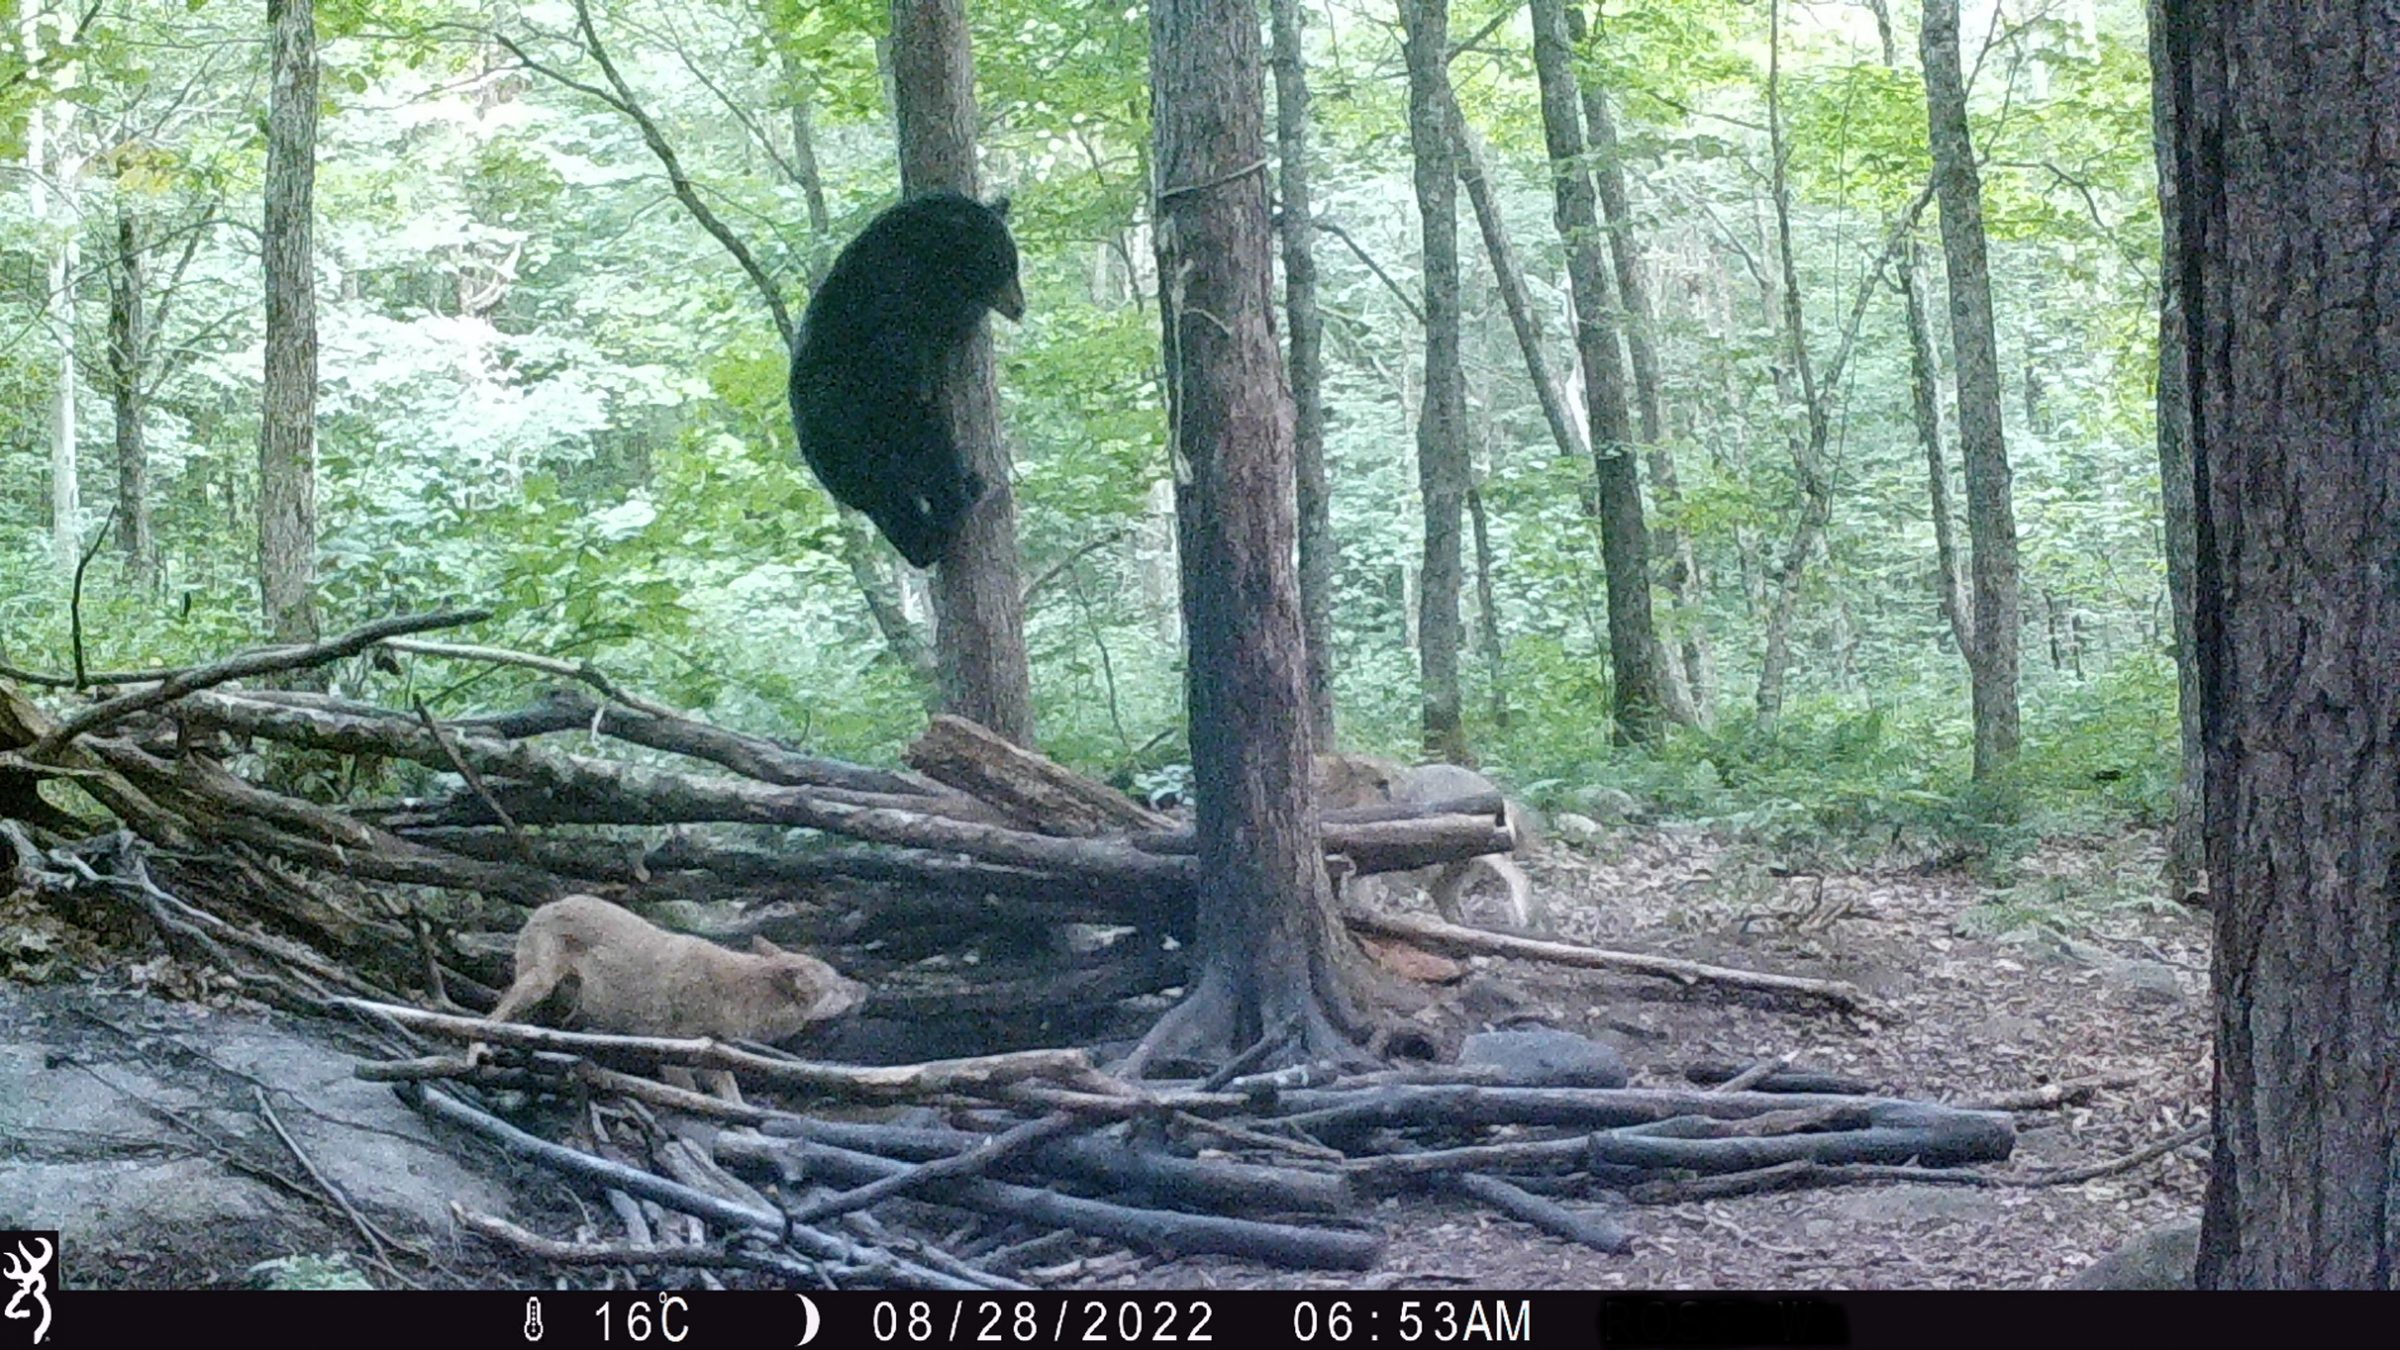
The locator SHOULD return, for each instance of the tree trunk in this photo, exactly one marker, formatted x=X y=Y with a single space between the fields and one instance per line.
x=979 y=627
x=128 y=346
x=1925 y=403
x=2285 y=121
x=1991 y=518
x=1487 y=611
x=1514 y=296
x=2175 y=478
x=48 y=122
x=1641 y=689
x=287 y=453
x=1319 y=550
x=1269 y=951
x=1442 y=468
x=1782 y=301
x=1696 y=668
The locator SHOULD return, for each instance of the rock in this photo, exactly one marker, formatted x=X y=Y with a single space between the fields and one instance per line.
x=1546 y=1057
x=1611 y=806
x=138 y=1201
x=1579 y=831
x=2162 y=1258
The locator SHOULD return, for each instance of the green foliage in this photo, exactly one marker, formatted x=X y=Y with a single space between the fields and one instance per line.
x=547 y=388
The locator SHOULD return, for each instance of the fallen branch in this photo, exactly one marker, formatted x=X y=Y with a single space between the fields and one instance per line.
x=1457 y=940
x=1592 y=1230
x=896 y=1082
x=264 y=661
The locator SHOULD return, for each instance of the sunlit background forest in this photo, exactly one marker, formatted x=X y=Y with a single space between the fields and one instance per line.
x=546 y=386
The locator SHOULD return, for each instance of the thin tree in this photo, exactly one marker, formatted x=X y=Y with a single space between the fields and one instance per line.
x=1642 y=690
x=1443 y=471
x=979 y=612
x=2176 y=509
x=51 y=171
x=1304 y=333
x=1925 y=405
x=1269 y=952
x=1695 y=671
x=128 y=348
x=1991 y=514
x=287 y=434
x=2285 y=119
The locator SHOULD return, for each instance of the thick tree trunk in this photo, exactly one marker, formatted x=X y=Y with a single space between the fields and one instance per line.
x=1991 y=517
x=1319 y=550
x=1695 y=669
x=287 y=437
x=2177 y=508
x=2285 y=178
x=128 y=348
x=1269 y=948
x=979 y=627
x=1642 y=697
x=1442 y=469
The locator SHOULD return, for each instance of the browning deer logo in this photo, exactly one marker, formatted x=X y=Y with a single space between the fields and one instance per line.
x=24 y=1269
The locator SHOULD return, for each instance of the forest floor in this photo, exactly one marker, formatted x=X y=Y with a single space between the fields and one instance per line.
x=1988 y=1003
x=2076 y=970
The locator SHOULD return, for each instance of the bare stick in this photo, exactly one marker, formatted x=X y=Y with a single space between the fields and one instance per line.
x=895 y=1082
x=972 y=1163
x=1595 y=1231
x=1452 y=938
x=1754 y=1075
x=475 y=784
x=263 y=661
x=548 y=665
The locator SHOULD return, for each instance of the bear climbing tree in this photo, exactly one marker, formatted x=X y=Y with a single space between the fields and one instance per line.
x=866 y=371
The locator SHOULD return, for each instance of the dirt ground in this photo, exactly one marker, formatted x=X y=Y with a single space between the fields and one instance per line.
x=1988 y=1003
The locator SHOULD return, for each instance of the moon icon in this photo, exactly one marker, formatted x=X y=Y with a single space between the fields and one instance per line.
x=808 y=1329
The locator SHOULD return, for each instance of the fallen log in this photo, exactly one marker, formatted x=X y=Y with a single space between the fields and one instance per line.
x=1383 y=845
x=1595 y=1231
x=1167 y=1231
x=895 y=1082
x=1029 y=789
x=1172 y=1181
x=1324 y=1111
x=1454 y=939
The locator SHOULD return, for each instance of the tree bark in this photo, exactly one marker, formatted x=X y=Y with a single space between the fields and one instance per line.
x=1925 y=405
x=1991 y=516
x=1269 y=948
x=1320 y=557
x=1695 y=670
x=979 y=627
x=1642 y=699
x=2285 y=121
x=1442 y=469
x=2177 y=509
x=48 y=126
x=287 y=472
x=1514 y=295
x=128 y=348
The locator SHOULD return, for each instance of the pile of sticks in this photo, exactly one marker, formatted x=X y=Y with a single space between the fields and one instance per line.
x=308 y=881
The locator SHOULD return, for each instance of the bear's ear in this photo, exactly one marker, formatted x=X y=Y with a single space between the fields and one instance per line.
x=1000 y=207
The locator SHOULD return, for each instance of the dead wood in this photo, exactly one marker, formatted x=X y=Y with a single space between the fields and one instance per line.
x=2066 y=1092
x=1595 y=1231
x=1167 y=1231
x=599 y=791
x=1324 y=1111
x=264 y=661
x=971 y=1162
x=896 y=1082
x=1457 y=940
x=1030 y=789
x=700 y=1204
x=1383 y=845
x=1165 y=1178
x=1782 y=1079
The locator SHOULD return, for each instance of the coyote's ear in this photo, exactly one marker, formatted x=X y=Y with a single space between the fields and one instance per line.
x=759 y=944
x=999 y=206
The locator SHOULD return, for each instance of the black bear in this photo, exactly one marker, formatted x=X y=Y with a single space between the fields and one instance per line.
x=866 y=371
